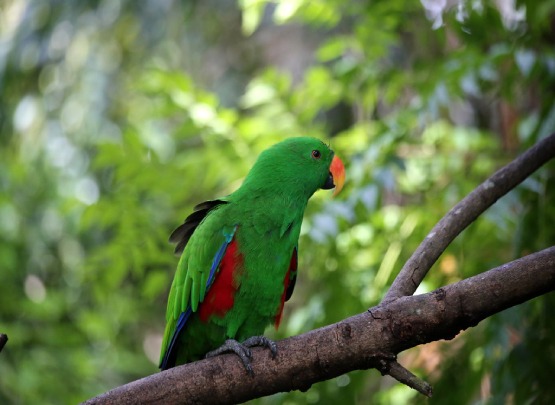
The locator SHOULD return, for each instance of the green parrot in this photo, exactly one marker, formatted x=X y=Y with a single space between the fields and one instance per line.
x=238 y=261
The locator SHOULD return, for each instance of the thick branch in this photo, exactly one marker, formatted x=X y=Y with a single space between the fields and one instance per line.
x=354 y=343
x=465 y=212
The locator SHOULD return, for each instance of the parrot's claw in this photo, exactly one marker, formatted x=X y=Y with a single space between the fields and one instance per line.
x=242 y=349
x=231 y=345
x=262 y=341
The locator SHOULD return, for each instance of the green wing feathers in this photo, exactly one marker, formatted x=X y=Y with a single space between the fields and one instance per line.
x=202 y=250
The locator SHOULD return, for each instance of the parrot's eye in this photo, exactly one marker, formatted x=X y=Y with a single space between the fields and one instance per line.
x=316 y=154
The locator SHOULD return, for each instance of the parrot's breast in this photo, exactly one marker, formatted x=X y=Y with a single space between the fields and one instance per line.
x=250 y=292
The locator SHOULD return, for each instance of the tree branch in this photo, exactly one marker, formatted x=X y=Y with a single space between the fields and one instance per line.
x=465 y=212
x=358 y=342
x=3 y=340
x=401 y=374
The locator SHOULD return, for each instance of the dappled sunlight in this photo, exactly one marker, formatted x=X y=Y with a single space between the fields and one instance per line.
x=118 y=117
x=34 y=289
x=151 y=346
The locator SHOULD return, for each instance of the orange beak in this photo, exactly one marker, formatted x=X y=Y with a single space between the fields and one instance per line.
x=337 y=171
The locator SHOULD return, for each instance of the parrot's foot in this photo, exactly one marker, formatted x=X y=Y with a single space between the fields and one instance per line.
x=262 y=341
x=242 y=349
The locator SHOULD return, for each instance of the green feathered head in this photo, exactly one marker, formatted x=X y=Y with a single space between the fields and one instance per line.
x=296 y=166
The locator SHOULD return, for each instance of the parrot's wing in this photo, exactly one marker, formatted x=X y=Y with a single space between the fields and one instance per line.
x=195 y=274
x=292 y=274
x=288 y=285
x=183 y=233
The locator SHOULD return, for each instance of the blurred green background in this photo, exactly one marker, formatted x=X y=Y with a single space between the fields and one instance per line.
x=117 y=117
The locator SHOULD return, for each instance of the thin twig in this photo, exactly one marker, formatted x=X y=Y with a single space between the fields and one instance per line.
x=401 y=374
x=465 y=212
x=3 y=340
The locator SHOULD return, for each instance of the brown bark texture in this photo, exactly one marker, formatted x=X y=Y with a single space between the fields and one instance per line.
x=374 y=338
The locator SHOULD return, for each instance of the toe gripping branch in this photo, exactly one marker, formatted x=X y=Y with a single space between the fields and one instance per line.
x=243 y=349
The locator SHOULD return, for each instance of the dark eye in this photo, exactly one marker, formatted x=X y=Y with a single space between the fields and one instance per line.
x=316 y=154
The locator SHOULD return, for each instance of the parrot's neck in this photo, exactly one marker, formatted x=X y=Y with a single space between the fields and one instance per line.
x=278 y=208
x=272 y=202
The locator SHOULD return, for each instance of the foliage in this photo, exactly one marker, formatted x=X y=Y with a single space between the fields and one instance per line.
x=118 y=116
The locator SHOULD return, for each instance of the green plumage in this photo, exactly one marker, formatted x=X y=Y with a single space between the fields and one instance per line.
x=248 y=238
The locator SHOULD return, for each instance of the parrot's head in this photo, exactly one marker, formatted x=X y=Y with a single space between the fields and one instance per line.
x=298 y=165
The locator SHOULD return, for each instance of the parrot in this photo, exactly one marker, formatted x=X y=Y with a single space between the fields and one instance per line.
x=239 y=254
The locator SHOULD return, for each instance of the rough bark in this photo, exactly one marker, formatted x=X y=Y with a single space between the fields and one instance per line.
x=372 y=339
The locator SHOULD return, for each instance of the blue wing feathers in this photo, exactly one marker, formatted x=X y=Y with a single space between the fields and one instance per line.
x=171 y=353
x=218 y=258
